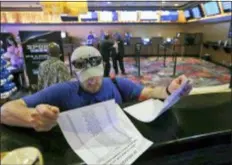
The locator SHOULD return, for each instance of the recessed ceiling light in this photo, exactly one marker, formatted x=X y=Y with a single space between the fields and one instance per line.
x=108 y=2
x=176 y=4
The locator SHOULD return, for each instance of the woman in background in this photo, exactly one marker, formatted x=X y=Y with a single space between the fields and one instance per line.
x=13 y=54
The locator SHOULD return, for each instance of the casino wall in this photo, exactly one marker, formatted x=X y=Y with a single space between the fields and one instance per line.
x=81 y=31
x=213 y=32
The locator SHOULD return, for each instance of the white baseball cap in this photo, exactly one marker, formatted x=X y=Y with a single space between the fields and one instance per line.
x=86 y=52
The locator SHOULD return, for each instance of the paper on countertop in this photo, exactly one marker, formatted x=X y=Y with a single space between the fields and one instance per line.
x=211 y=89
x=102 y=134
x=149 y=110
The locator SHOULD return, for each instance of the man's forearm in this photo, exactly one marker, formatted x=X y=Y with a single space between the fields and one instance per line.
x=16 y=114
x=156 y=92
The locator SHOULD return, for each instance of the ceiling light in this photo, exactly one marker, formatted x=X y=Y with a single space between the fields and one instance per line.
x=108 y=2
x=163 y=2
x=176 y=4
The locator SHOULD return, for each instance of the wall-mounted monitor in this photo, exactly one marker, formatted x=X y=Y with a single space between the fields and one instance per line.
x=148 y=16
x=197 y=12
x=211 y=8
x=108 y=16
x=188 y=14
x=128 y=16
x=146 y=41
x=90 y=16
x=105 y=16
x=169 y=16
x=227 y=6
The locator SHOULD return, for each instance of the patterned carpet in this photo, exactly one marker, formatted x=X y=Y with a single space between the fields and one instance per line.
x=200 y=72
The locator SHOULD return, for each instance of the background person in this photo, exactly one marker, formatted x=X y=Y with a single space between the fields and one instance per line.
x=119 y=54
x=53 y=70
x=106 y=47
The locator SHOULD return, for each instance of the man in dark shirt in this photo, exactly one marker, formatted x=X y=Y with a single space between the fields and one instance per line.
x=106 y=47
x=119 y=54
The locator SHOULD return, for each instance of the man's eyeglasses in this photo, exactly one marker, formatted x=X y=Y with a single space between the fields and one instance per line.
x=87 y=62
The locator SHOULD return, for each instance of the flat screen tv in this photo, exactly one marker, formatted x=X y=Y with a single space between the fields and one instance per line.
x=130 y=16
x=211 y=8
x=227 y=6
x=148 y=15
x=106 y=16
x=169 y=16
x=197 y=12
x=188 y=14
x=90 y=16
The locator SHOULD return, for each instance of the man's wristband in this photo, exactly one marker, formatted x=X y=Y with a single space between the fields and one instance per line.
x=168 y=91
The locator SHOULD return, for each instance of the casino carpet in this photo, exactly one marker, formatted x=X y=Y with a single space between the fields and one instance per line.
x=202 y=73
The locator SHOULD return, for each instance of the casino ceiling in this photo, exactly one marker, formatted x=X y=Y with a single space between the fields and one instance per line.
x=105 y=5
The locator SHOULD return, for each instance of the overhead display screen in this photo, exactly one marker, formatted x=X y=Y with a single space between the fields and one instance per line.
x=128 y=16
x=197 y=12
x=148 y=15
x=211 y=8
x=169 y=16
x=227 y=5
x=106 y=16
x=90 y=16
x=187 y=14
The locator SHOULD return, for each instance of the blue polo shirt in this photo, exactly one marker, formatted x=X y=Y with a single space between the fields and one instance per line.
x=69 y=95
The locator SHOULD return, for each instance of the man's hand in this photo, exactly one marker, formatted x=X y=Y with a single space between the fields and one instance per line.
x=44 y=118
x=176 y=83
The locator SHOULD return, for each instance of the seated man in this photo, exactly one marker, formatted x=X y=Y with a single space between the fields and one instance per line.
x=53 y=70
x=41 y=110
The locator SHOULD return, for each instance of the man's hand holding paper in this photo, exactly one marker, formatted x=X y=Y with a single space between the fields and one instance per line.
x=179 y=87
x=177 y=83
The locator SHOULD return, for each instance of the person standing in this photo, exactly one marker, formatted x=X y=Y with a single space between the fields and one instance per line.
x=1 y=49
x=53 y=70
x=106 y=47
x=13 y=54
x=102 y=35
x=119 y=54
x=90 y=39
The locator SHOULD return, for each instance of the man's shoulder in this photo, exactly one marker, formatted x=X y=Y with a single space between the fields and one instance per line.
x=58 y=64
x=45 y=63
x=64 y=86
x=119 y=80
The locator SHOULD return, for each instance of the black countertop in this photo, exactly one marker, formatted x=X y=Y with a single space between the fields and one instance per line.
x=193 y=115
